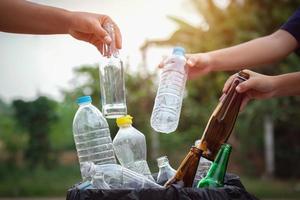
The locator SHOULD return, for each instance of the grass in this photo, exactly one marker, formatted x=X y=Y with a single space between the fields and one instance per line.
x=272 y=189
x=40 y=182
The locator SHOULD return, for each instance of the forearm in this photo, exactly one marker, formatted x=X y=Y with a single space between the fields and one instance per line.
x=20 y=16
x=261 y=51
x=287 y=84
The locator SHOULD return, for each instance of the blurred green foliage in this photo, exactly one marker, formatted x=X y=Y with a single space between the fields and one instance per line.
x=40 y=131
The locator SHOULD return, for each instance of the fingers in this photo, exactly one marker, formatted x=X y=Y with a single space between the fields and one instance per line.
x=191 y=61
x=101 y=33
x=228 y=83
x=249 y=84
x=118 y=37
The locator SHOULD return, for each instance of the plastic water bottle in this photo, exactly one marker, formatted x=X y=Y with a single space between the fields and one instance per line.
x=202 y=169
x=112 y=82
x=118 y=177
x=91 y=134
x=98 y=181
x=130 y=147
x=168 y=101
x=165 y=170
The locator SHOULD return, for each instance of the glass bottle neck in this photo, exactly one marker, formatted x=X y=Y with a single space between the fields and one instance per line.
x=218 y=168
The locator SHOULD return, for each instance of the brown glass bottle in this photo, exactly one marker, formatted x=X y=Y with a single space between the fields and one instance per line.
x=216 y=133
x=222 y=120
x=186 y=171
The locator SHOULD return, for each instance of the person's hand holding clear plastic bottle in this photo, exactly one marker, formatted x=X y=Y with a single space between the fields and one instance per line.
x=197 y=64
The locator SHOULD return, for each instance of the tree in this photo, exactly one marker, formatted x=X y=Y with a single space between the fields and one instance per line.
x=36 y=117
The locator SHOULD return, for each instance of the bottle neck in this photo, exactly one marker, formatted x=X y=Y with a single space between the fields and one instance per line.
x=84 y=104
x=125 y=126
x=217 y=170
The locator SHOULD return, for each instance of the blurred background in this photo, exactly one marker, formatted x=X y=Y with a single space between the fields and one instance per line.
x=41 y=77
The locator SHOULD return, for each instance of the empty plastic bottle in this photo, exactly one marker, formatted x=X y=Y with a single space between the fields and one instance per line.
x=165 y=170
x=91 y=134
x=202 y=169
x=98 y=181
x=112 y=80
x=168 y=101
x=130 y=147
x=118 y=177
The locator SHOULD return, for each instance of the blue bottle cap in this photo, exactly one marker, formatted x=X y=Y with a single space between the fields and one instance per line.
x=179 y=51
x=84 y=99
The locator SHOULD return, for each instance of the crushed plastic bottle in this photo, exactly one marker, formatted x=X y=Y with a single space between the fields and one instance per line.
x=98 y=181
x=118 y=177
x=168 y=101
x=165 y=170
x=130 y=147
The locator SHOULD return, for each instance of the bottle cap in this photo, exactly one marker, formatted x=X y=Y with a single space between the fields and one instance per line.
x=124 y=120
x=179 y=51
x=84 y=99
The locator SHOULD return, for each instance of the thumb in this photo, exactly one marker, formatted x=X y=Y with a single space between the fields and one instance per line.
x=246 y=85
x=191 y=61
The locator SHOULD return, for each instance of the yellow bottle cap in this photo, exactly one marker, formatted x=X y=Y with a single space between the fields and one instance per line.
x=124 y=120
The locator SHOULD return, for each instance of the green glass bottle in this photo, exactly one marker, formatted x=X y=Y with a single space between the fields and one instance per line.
x=216 y=173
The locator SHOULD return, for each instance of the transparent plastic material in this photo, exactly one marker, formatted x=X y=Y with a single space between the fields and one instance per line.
x=98 y=181
x=130 y=148
x=118 y=177
x=168 y=101
x=165 y=170
x=112 y=82
x=202 y=169
x=92 y=135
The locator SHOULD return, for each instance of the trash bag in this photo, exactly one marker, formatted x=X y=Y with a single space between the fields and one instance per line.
x=232 y=190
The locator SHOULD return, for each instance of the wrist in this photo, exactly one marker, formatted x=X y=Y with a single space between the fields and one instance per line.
x=210 y=62
x=67 y=23
x=275 y=83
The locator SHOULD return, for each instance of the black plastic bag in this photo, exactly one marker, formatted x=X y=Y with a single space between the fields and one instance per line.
x=233 y=190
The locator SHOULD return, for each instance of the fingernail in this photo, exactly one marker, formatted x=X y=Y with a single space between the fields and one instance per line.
x=107 y=39
x=189 y=62
x=238 y=88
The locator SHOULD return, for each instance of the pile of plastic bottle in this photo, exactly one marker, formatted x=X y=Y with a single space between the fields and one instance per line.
x=96 y=150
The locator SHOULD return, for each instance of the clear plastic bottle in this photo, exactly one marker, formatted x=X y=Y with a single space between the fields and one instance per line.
x=98 y=181
x=168 y=101
x=165 y=170
x=130 y=147
x=202 y=169
x=91 y=134
x=112 y=82
x=118 y=177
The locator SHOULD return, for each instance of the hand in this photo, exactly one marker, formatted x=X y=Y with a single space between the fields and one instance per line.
x=198 y=64
x=258 y=86
x=89 y=27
